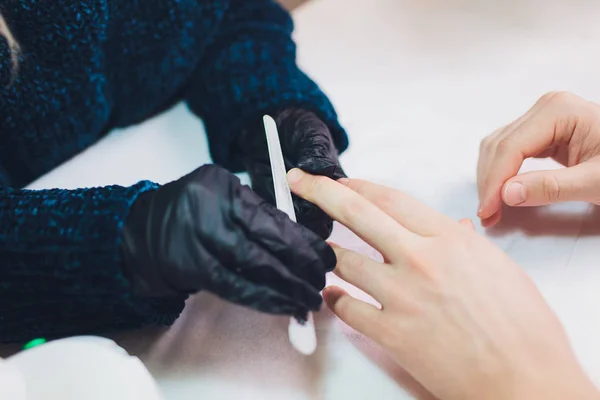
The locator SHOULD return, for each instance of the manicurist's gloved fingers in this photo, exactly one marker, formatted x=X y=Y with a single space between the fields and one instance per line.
x=206 y=231
x=307 y=144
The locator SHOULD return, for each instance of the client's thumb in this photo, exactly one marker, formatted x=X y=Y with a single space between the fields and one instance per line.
x=578 y=183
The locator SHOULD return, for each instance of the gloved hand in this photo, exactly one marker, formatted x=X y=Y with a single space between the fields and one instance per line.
x=206 y=231
x=306 y=144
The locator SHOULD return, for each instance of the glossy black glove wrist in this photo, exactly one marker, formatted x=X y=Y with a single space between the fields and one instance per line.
x=139 y=266
x=208 y=231
x=307 y=144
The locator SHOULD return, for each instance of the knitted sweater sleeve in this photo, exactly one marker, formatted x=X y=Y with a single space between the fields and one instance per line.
x=251 y=69
x=60 y=271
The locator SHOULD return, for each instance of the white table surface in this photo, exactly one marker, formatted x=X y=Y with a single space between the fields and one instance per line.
x=417 y=84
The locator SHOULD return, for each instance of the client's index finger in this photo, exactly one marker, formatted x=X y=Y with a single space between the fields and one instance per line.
x=353 y=211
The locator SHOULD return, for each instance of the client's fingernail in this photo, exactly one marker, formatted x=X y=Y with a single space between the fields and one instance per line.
x=467 y=222
x=294 y=175
x=344 y=181
x=514 y=194
x=483 y=213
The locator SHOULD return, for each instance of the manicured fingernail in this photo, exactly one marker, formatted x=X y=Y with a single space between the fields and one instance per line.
x=514 y=194
x=467 y=222
x=344 y=181
x=294 y=175
x=479 y=210
x=482 y=213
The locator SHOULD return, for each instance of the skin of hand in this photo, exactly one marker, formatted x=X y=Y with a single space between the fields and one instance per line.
x=561 y=126
x=456 y=312
x=207 y=231
x=306 y=143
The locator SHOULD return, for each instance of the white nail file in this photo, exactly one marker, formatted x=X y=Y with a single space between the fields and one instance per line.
x=302 y=336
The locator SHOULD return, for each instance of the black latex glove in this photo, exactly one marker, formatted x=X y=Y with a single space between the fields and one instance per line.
x=306 y=144
x=208 y=231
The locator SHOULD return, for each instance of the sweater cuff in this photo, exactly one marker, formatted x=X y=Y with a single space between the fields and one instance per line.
x=63 y=275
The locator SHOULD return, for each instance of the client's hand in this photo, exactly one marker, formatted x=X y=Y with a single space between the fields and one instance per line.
x=457 y=313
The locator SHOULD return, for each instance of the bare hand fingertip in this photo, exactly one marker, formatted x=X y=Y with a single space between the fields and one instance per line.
x=491 y=206
x=484 y=212
x=491 y=221
x=467 y=222
x=331 y=294
x=294 y=175
x=480 y=211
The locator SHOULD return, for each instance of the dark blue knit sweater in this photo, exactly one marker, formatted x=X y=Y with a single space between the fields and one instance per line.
x=86 y=67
